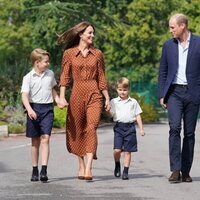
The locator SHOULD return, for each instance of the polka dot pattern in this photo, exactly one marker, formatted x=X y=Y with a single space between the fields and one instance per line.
x=86 y=75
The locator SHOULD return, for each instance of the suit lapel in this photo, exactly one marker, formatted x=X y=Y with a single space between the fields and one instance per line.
x=175 y=54
x=191 y=49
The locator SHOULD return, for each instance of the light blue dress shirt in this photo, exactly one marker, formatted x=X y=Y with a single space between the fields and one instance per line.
x=180 y=77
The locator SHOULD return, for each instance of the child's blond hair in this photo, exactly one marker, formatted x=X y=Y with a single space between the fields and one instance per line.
x=38 y=54
x=124 y=82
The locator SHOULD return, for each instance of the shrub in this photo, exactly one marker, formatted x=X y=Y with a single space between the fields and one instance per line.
x=16 y=128
x=15 y=114
x=3 y=123
x=59 y=117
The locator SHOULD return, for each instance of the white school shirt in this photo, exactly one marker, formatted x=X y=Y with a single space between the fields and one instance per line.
x=125 y=111
x=39 y=87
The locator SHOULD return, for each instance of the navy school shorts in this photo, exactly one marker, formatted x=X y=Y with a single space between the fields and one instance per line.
x=125 y=137
x=44 y=122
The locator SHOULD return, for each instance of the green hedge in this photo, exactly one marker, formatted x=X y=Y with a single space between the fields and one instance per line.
x=59 y=117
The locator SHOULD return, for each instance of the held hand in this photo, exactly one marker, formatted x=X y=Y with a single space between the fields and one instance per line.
x=107 y=105
x=32 y=115
x=62 y=103
x=57 y=100
x=162 y=103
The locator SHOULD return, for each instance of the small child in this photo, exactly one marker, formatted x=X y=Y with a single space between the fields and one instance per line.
x=37 y=97
x=125 y=111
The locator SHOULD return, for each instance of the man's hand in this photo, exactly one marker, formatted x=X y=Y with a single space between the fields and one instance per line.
x=162 y=103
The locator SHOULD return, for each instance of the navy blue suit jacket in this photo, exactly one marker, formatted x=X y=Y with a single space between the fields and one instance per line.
x=169 y=64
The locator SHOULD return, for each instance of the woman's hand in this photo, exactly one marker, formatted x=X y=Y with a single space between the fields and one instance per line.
x=62 y=103
x=107 y=105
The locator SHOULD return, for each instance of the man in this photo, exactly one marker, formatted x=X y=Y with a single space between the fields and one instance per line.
x=179 y=93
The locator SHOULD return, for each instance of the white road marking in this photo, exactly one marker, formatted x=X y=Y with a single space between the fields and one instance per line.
x=16 y=147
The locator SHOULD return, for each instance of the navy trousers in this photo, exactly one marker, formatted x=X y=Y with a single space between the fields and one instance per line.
x=180 y=107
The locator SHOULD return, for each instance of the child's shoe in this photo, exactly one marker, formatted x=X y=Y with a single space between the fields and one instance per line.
x=117 y=171
x=43 y=174
x=125 y=176
x=43 y=177
x=35 y=176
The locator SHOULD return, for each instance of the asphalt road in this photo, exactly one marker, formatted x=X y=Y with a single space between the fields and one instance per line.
x=148 y=172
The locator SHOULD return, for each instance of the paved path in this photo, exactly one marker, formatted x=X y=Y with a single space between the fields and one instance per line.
x=148 y=173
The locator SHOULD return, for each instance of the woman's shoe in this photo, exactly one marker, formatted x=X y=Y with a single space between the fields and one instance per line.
x=88 y=178
x=81 y=177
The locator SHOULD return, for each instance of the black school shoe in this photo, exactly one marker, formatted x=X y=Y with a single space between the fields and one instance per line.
x=125 y=176
x=43 y=177
x=35 y=177
x=117 y=171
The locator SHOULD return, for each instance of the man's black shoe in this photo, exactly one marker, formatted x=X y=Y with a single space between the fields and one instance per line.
x=117 y=171
x=43 y=177
x=175 y=177
x=186 y=178
x=125 y=176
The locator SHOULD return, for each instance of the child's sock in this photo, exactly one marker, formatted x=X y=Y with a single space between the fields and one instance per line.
x=125 y=170
x=35 y=170
x=117 y=163
x=44 y=169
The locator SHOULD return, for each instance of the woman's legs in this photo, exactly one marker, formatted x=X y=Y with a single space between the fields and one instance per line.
x=85 y=170
x=88 y=169
x=81 y=173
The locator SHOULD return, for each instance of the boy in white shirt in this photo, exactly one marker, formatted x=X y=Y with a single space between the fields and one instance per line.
x=38 y=94
x=125 y=111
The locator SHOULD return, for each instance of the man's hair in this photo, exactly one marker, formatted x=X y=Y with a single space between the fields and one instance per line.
x=180 y=19
x=38 y=54
x=124 y=82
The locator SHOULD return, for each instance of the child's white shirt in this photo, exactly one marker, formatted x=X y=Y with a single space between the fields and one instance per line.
x=39 y=87
x=125 y=110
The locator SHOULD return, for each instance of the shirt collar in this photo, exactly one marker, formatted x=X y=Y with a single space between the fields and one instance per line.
x=126 y=100
x=34 y=73
x=77 y=50
x=188 y=39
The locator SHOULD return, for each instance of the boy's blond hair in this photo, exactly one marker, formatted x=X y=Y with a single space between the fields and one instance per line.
x=38 y=54
x=124 y=82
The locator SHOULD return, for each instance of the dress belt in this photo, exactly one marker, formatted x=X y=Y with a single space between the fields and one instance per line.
x=180 y=85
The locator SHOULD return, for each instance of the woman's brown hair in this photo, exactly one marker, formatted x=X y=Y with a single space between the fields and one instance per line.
x=70 y=38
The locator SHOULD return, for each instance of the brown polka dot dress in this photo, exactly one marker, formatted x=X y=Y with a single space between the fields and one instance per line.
x=86 y=75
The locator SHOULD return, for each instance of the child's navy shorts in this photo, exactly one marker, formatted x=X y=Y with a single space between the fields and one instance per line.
x=125 y=137
x=44 y=122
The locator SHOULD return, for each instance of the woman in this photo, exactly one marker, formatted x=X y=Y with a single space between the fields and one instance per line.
x=83 y=65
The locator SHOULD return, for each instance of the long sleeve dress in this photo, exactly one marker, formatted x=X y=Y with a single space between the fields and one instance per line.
x=86 y=75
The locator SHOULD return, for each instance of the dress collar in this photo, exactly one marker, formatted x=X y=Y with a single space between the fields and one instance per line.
x=77 y=51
